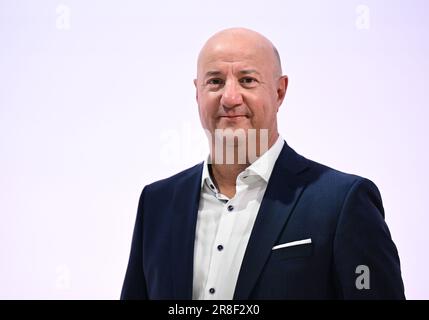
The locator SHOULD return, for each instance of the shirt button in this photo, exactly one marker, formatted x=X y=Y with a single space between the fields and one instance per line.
x=230 y=208
x=212 y=290
x=220 y=247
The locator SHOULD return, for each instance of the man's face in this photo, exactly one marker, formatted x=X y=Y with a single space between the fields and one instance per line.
x=239 y=85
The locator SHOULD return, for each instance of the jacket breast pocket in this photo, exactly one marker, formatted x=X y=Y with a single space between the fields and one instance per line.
x=299 y=251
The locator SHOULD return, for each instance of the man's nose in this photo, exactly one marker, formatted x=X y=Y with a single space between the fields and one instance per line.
x=231 y=96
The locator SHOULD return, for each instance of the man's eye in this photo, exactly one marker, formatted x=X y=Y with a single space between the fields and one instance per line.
x=215 y=82
x=248 y=80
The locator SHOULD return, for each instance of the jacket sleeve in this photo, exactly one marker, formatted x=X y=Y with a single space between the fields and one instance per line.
x=366 y=260
x=134 y=286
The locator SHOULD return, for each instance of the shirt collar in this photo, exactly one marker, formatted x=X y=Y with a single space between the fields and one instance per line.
x=262 y=167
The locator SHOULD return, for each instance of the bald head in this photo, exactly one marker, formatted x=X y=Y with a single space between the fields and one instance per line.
x=240 y=40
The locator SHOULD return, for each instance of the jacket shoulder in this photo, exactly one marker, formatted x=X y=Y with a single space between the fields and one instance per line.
x=335 y=177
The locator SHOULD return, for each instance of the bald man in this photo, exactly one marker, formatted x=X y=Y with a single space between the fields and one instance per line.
x=256 y=220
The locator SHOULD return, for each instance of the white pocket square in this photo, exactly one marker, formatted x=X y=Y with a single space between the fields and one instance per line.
x=291 y=244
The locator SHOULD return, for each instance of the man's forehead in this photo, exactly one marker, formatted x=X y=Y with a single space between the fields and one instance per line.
x=231 y=52
x=222 y=63
x=235 y=63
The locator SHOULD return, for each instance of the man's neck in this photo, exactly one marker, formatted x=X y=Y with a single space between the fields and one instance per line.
x=225 y=175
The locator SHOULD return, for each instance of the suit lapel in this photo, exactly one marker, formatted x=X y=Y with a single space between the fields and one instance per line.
x=283 y=191
x=184 y=218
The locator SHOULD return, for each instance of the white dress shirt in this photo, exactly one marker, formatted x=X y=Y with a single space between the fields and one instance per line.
x=224 y=226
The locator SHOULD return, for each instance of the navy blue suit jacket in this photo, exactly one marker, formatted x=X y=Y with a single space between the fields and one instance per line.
x=342 y=214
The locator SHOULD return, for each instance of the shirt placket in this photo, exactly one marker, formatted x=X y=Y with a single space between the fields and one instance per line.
x=222 y=244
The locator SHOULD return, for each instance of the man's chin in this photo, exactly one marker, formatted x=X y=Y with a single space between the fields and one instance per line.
x=232 y=136
x=234 y=128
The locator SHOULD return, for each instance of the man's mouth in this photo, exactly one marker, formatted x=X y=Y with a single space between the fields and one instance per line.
x=234 y=116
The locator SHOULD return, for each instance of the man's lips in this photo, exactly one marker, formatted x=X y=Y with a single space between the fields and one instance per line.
x=234 y=116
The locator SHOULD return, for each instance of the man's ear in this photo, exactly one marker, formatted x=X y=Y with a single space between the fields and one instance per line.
x=282 y=88
x=196 y=89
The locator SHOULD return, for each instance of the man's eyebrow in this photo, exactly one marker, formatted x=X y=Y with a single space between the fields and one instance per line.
x=212 y=73
x=244 y=72
x=249 y=71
